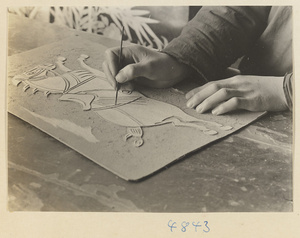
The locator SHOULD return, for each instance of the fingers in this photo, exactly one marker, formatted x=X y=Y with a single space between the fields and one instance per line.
x=148 y=66
x=134 y=58
x=223 y=101
x=193 y=92
x=132 y=71
x=111 y=66
x=215 y=99
x=129 y=87
x=214 y=86
x=231 y=105
x=112 y=60
x=222 y=97
x=198 y=95
x=110 y=78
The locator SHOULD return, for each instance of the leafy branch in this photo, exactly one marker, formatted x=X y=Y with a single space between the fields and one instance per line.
x=98 y=19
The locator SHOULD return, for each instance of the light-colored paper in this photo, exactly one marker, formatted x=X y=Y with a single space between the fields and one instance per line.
x=60 y=90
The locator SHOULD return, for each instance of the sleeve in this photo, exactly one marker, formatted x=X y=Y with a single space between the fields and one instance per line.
x=288 y=89
x=217 y=36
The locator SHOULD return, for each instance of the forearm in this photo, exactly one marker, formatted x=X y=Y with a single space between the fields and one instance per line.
x=216 y=37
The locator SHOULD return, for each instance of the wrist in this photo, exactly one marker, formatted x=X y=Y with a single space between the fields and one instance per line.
x=279 y=102
x=288 y=90
x=178 y=70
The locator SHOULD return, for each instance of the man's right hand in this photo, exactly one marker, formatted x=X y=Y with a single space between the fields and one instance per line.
x=145 y=66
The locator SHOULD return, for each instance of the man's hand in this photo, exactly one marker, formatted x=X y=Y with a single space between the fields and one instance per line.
x=146 y=66
x=252 y=93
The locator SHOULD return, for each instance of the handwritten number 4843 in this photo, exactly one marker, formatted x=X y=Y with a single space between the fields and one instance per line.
x=184 y=226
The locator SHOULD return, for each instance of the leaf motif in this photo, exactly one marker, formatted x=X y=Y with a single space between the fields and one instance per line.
x=141 y=29
x=104 y=20
x=66 y=16
x=127 y=30
x=59 y=17
x=77 y=16
x=84 y=20
x=87 y=18
x=33 y=13
x=165 y=40
x=159 y=44
x=100 y=25
x=146 y=20
x=138 y=12
x=116 y=21
x=85 y=11
x=151 y=33
x=98 y=10
x=52 y=12
x=137 y=32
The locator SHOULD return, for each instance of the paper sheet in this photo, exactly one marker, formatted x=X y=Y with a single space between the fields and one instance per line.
x=146 y=131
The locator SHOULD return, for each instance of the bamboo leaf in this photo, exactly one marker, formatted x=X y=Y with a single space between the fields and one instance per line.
x=90 y=20
x=105 y=20
x=132 y=19
x=19 y=12
x=127 y=30
x=52 y=12
x=84 y=20
x=151 y=33
x=58 y=16
x=144 y=34
x=75 y=12
x=165 y=40
x=33 y=12
x=116 y=21
x=158 y=43
x=138 y=12
x=97 y=10
x=146 y=20
x=137 y=32
x=68 y=17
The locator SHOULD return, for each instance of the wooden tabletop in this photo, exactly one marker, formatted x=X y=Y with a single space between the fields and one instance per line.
x=250 y=170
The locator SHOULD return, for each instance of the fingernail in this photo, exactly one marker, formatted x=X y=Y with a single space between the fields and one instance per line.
x=215 y=112
x=199 y=109
x=120 y=78
x=189 y=104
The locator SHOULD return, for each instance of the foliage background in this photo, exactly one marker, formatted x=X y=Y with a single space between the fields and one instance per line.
x=149 y=26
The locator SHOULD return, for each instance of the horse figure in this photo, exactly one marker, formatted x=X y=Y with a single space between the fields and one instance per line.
x=89 y=87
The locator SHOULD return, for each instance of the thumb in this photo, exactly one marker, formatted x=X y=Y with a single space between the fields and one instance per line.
x=131 y=71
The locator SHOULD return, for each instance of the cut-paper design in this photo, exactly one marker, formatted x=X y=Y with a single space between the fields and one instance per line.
x=133 y=139
x=89 y=88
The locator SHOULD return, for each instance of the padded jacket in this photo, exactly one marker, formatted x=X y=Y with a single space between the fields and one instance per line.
x=217 y=36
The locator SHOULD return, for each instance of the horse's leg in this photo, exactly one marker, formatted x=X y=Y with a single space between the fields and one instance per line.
x=84 y=99
x=177 y=122
x=135 y=132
